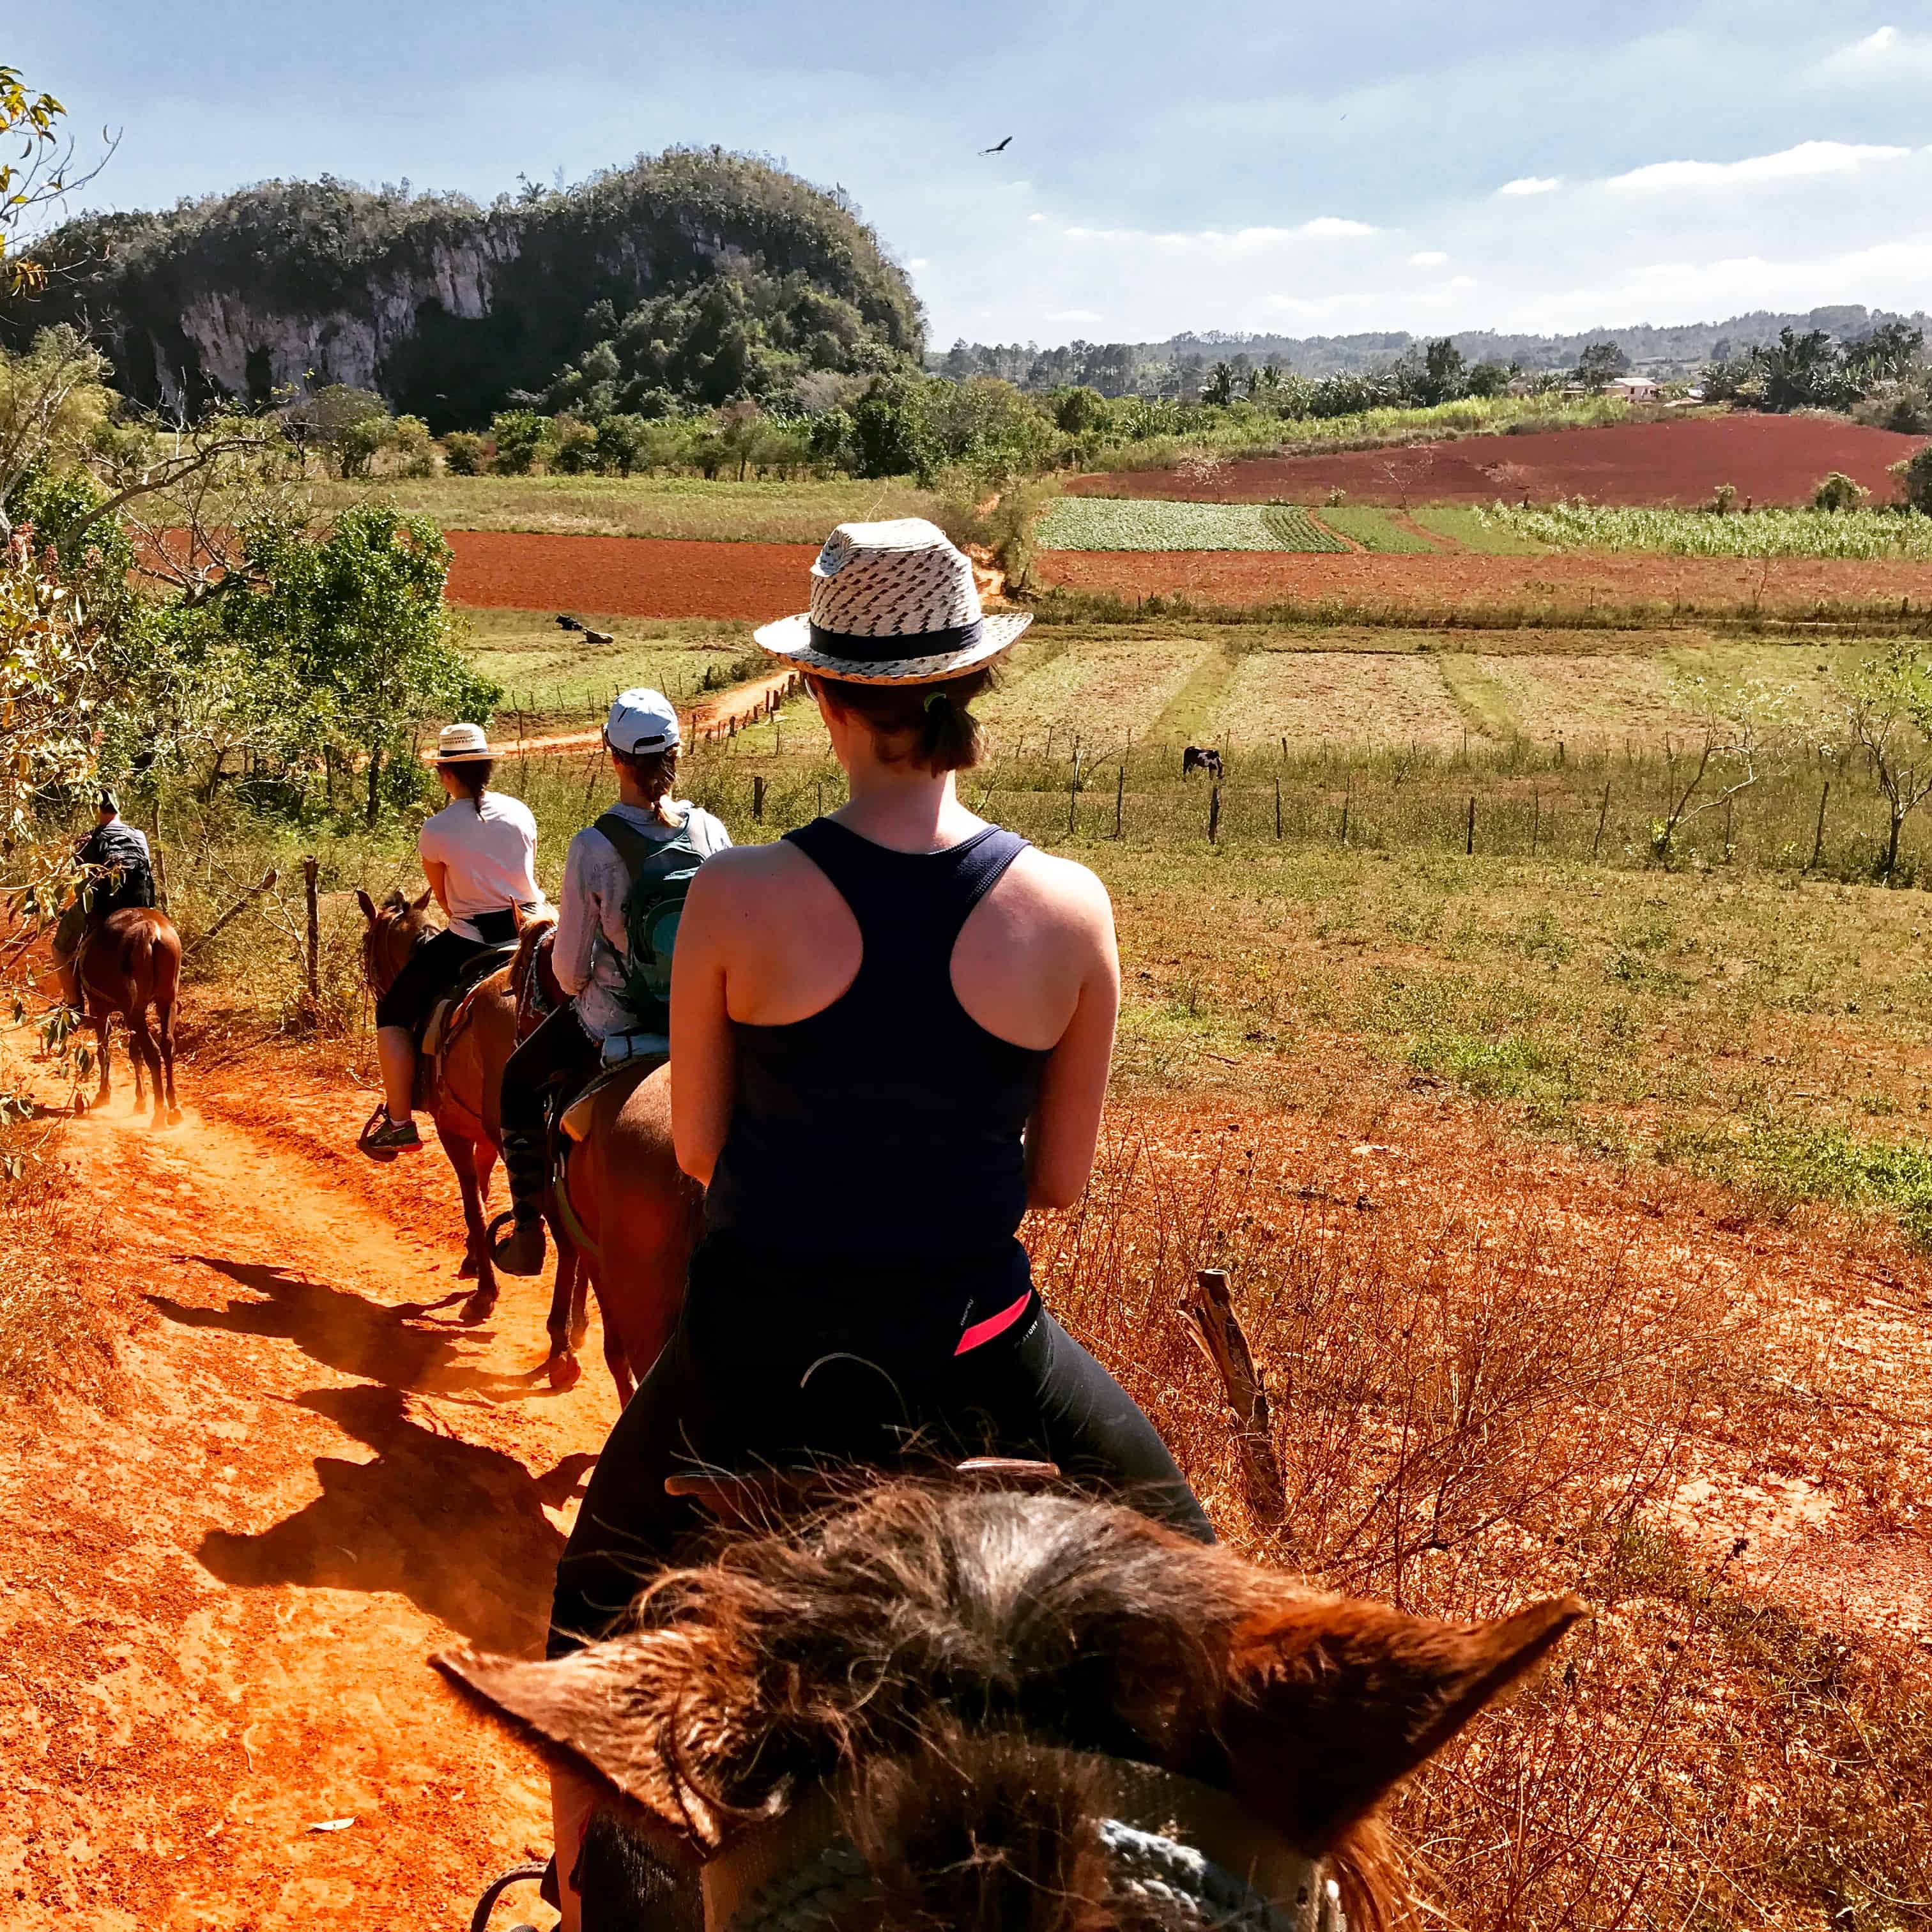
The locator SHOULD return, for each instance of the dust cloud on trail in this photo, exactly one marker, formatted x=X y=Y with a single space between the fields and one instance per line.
x=223 y=1580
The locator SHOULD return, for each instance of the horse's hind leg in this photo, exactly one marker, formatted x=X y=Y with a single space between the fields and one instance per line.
x=100 y=1023
x=486 y=1169
x=164 y=1019
x=143 y=1052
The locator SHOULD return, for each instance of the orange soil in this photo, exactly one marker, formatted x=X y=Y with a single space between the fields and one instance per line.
x=1769 y=459
x=629 y=577
x=1572 y=582
x=225 y=1575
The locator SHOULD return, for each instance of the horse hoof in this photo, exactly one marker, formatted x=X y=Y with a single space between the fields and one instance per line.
x=467 y=1270
x=565 y=1371
x=478 y=1307
x=174 y=1117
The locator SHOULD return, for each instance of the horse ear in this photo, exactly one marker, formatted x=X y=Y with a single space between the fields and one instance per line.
x=1332 y=1703
x=367 y=904
x=595 y=1713
x=418 y=905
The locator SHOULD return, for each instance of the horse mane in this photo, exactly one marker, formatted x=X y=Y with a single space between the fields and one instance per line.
x=941 y=1652
x=533 y=928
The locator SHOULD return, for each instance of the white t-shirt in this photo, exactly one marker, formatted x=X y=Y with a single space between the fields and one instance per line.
x=588 y=958
x=490 y=854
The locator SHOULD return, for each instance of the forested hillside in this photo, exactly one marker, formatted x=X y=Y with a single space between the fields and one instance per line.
x=1173 y=367
x=710 y=274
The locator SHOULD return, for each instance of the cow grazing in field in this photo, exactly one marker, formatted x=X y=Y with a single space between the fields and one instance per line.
x=1199 y=758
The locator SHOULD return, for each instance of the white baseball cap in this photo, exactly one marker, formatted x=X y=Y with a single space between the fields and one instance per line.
x=642 y=721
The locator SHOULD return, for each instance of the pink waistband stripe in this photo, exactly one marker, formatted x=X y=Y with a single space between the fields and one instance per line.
x=994 y=1324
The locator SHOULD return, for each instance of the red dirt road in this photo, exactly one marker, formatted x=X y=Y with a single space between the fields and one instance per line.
x=1770 y=459
x=1417 y=584
x=629 y=577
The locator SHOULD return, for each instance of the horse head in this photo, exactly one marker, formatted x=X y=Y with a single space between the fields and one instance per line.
x=395 y=929
x=958 y=1691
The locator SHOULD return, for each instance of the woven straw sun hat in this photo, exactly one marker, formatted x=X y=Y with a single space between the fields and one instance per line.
x=461 y=745
x=891 y=603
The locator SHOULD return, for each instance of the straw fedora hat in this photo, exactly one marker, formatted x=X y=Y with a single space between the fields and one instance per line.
x=891 y=603
x=462 y=745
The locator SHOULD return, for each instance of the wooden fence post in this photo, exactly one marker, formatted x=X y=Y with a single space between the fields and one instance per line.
x=310 y=870
x=1073 y=801
x=1210 y=1312
x=1277 y=808
x=1469 y=831
x=1602 y=812
x=758 y=797
x=1818 y=837
x=1119 y=796
x=1214 y=814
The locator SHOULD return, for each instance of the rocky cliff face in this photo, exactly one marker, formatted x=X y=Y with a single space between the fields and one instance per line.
x=247 y=348
x=442 y=307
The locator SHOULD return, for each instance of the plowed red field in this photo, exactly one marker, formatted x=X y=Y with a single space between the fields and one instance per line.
x=629 y=577
x=1431 y=583
x=1770 y=459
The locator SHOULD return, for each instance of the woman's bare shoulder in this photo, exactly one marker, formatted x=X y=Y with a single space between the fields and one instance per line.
x=1062 y=890
x=738 y=870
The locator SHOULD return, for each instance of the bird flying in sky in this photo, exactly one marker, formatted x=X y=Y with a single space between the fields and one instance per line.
x=999 y=148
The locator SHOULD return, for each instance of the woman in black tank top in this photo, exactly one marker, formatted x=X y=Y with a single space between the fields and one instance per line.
x=859 y=1293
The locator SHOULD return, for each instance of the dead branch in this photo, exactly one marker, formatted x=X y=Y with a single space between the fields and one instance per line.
x=1216 y=1331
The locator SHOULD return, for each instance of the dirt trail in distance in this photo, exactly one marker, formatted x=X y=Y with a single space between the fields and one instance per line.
x=222 y=1588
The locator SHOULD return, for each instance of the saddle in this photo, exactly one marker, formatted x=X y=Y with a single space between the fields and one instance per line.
x=447 y=1016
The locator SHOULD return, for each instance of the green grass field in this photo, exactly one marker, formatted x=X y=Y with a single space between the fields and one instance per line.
x=1469 y=529
x=1375 y=531
x=1863 y=535
x=1130 y=523
x=761 y=511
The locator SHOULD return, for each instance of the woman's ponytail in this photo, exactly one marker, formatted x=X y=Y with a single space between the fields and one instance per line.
x=926 y=725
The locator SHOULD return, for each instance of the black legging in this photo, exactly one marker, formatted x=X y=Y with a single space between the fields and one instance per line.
x=558 y=1054
x=775 y=1364
x=431 y=971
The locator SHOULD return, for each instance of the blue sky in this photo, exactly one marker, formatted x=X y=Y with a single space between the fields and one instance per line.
x=1275 y=166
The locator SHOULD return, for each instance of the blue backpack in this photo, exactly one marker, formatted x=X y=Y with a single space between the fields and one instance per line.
x=660 y=872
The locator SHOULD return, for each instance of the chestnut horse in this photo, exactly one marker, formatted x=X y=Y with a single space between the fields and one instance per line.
x=946 y=1704
x=624 y=1181
x=128 y=963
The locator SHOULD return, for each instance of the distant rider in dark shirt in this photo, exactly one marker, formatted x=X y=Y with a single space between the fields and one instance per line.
x=118 y=872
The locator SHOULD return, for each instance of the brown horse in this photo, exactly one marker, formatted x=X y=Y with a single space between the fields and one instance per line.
x=464 y=1084
x=624 y=1181
x=128 y=963
x=633 y=1214
x=949 y=1704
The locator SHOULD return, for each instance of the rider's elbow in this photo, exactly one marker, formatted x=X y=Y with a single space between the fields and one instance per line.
x=1048 y=1190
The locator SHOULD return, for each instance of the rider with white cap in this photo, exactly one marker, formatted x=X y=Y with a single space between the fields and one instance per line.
x=624 y=878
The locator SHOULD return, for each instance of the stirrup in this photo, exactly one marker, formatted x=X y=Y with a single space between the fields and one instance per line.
x=512 y=1253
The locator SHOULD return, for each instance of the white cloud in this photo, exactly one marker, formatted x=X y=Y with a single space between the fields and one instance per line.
x=1429 y=258
x=1532 y=185
x=1886 y=58
x=1805 y=162
x=1221 y=242
x=1333 y=224
x=919 y=262
x=1035 y=216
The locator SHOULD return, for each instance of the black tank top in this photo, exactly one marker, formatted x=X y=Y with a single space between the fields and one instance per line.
x=885 y=1127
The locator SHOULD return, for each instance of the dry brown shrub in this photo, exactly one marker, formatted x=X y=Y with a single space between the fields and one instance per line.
x=1476 y=1403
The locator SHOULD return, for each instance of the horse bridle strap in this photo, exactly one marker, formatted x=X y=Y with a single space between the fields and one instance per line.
x=1189 y=1841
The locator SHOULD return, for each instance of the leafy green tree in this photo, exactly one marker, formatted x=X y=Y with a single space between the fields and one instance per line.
x=623 y=444
x=1837 y=492
x=1600 y=362
x=358 y=621
x=1432 y=373
x=1489 y=378
x=573 y=447
x=1802 y=371
x=890 y=434
x=828 y=439
x=519 y=436
x=1218 y=391
x=1915 y=480
x=464 y=453
x=1891 y=353
x=1080 y=411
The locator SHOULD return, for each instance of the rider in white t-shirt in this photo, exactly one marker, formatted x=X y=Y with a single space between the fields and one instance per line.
x=478 y=854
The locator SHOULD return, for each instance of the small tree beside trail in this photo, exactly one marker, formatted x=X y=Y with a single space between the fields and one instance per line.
x=1887 y=703
x=1741 y=736
x=1838 y=492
